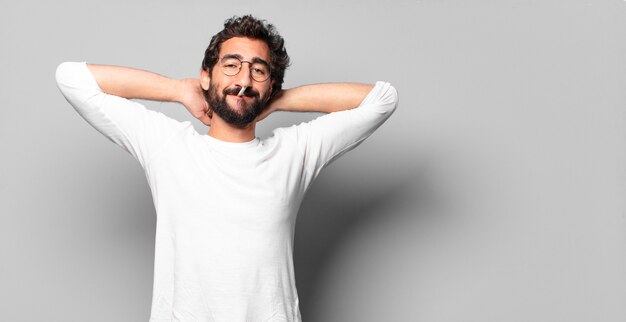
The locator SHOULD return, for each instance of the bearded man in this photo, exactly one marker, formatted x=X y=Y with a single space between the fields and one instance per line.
x=226 y=202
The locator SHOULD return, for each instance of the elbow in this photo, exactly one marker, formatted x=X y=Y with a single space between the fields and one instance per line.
x=75 y=82
x=383 y=99
x=389 y=98
x=62 y=74
x=393 y=98
x=61 y=70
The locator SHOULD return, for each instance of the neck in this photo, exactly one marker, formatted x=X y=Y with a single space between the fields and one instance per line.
x=227 y=132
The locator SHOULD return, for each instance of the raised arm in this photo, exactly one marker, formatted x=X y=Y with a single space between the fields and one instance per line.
x=324 y=98
x=129 y=124
x=135 y=83
x=354 y=112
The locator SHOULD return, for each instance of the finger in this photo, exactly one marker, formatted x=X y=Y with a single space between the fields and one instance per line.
x=205 y=119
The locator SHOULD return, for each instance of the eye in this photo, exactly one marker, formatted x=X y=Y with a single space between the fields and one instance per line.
x=230 y=63
x=259 y=71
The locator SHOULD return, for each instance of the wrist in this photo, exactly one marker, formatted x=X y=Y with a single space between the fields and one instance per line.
x=178 y=90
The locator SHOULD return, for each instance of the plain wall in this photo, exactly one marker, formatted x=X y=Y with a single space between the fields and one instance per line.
x=496 y=192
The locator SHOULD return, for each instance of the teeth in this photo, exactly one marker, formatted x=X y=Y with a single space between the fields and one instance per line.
x=243 y=89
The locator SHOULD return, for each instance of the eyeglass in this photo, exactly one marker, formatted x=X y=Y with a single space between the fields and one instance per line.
x=231 y=66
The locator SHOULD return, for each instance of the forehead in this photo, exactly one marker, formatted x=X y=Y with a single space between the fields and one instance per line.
x=246 y=47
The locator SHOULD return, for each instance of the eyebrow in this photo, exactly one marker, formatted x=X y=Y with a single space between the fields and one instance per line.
x=261 y=61
x=254 y=60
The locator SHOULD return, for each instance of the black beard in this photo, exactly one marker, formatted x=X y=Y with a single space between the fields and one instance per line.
x=220 y=107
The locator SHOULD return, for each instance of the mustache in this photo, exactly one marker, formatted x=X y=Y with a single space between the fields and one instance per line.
x=250 y=92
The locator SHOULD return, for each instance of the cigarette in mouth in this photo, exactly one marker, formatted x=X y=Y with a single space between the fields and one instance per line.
x=243 y=89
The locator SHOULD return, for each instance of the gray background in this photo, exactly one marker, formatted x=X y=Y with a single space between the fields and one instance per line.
x=495 y=193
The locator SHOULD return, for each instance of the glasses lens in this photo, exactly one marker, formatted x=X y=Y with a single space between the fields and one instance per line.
x=230 y=66
x=260 y=72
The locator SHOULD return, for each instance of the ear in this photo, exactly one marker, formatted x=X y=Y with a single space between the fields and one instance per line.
x=205 y=79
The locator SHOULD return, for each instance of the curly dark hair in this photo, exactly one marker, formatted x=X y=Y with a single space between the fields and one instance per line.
x=248 y=26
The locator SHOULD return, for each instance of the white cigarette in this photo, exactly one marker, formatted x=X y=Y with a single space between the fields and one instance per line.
x=243 y=89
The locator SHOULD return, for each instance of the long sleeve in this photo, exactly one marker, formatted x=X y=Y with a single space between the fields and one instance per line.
x=139 y=131
x=329 y=136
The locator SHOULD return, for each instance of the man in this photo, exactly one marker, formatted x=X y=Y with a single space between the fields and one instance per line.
x=227 y=201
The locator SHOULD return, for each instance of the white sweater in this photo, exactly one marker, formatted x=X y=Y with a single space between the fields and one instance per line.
x=225 y=211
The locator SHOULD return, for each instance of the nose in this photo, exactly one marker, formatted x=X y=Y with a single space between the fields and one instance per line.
x=244 y=77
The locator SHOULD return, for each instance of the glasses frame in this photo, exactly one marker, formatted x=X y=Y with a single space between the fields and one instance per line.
x=269 y=70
